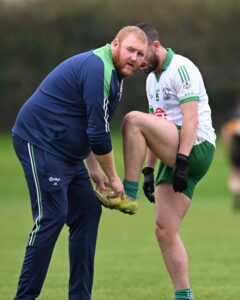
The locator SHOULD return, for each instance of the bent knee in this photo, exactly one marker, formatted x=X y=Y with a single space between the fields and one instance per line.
x=131 y=119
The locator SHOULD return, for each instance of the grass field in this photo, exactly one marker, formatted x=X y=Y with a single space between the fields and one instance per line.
x=128 y=262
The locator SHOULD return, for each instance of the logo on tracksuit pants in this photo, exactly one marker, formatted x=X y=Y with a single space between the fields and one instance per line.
x=54 y=180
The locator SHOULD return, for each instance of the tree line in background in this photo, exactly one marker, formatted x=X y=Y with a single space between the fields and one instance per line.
x=37 y=35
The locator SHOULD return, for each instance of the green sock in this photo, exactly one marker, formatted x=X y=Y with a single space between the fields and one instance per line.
x=131 y=188
x=185 y=294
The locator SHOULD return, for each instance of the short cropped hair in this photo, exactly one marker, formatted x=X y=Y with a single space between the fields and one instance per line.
x=150 y=31
x=125 y=31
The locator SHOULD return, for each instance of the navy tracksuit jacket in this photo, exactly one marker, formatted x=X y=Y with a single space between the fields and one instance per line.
x=67 y=117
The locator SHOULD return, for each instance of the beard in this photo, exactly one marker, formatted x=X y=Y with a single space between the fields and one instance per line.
x=152 y=64
x=123 y=68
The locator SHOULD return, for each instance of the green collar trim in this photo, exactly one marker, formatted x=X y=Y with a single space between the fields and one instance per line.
x=109 y=51
x=105 y=53
x=166 y=62
x=168 y=59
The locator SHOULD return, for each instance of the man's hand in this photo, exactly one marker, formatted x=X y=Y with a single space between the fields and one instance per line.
x=101 y=181
x=148 y=184
x=180 y=173
x=117 y=186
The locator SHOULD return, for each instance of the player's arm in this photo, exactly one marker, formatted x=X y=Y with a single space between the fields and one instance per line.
x=187 y=89
x=189 y=126
x=187 y=137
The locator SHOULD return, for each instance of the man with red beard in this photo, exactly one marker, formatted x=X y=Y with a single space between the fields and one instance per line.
x=65 y=121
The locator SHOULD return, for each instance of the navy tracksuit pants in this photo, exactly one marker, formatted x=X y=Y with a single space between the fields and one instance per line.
x=61 y=193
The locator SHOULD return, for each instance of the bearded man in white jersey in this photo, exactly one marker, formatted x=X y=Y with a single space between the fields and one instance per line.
x=178 y=131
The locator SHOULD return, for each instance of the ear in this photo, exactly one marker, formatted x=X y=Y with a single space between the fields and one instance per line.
x=156 y=45
x=115 y=43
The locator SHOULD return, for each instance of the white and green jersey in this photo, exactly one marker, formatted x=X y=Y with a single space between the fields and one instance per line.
x=180 y=82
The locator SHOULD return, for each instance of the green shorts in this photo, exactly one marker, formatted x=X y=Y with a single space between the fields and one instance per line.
x=200 y=160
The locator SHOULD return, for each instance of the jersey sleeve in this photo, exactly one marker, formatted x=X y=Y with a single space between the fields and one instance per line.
x=97 y=106
x=186 y=82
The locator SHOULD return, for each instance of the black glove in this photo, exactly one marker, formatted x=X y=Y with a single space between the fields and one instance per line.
x=180 y=173
x=148 y=184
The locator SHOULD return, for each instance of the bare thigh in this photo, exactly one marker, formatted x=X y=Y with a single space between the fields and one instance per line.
x=170 y=207
x=160 y=134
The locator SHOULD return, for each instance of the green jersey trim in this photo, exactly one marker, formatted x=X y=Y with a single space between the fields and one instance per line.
x=166 y=63
x=105 y=54
x=168 y=59
x=150 y=110
x=189 y=99
x=185 y=78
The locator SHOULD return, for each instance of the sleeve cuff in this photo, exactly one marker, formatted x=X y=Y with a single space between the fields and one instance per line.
x=189 y=99
x=103 y=147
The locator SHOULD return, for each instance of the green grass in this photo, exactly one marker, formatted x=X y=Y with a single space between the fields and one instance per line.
x=128 y=262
